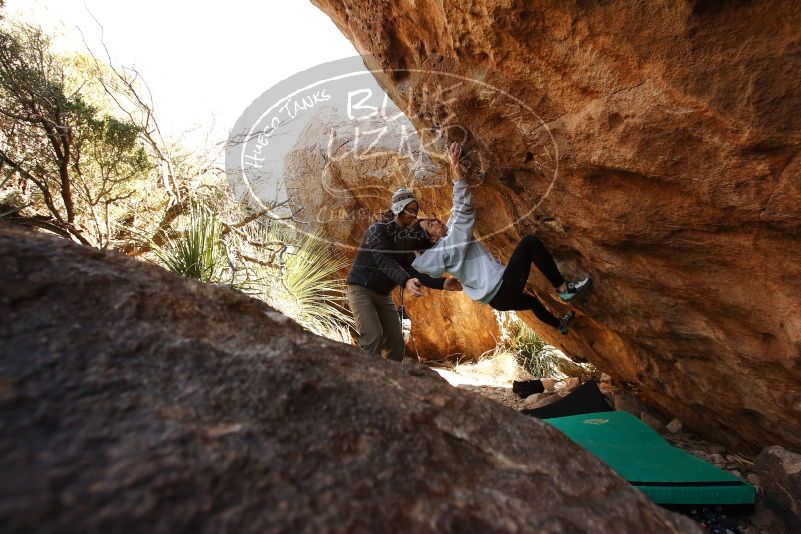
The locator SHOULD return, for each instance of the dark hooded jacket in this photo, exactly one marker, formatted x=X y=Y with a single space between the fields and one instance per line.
x=384 y=259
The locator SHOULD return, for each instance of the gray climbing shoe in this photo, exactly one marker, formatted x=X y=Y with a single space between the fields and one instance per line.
x=575 y=287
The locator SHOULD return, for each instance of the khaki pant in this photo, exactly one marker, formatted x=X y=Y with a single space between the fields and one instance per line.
x=377 y=322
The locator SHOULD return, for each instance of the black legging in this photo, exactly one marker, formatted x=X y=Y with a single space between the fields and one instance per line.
x=510 y=296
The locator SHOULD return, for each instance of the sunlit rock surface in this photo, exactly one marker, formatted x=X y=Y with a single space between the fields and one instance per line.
x=652 y=145
x=133 y=400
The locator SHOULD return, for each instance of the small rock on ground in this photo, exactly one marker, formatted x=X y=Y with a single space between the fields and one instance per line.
x=674 y=426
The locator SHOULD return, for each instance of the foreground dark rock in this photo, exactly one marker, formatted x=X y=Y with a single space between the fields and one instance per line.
x=657 y=148
x=132 y=400
x=780 y=473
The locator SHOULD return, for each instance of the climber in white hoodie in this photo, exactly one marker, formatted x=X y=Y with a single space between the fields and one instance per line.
x=454 y=250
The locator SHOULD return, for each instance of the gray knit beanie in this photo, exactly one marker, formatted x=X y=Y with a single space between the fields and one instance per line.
x=402 y=198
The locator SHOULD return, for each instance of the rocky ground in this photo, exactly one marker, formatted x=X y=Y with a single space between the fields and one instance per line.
x=763 y=520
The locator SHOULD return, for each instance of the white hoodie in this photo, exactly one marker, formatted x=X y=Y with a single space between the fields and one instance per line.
x=460 y=255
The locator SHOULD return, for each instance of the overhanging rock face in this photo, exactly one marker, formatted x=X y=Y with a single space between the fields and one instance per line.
x=133 y=400
x=655 y=147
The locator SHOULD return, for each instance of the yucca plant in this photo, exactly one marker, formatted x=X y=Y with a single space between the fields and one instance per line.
x=196 y=250
x=533 y=354
x=308 y=290
x=297 y=274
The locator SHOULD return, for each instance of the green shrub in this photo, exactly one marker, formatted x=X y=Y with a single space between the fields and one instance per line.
x=532 y=352
x=295 y=273
x=196 y=250
x=308 y=289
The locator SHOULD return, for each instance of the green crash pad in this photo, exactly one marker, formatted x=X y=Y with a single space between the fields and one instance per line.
x=641 y=456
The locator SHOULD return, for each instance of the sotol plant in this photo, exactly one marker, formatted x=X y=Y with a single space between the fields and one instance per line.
x=532 y=352
x=308 y=290
x=293 y=272
x=536 y=356
x=195 y=250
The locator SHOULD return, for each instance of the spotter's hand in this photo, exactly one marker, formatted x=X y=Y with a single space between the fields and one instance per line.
x=413 y=287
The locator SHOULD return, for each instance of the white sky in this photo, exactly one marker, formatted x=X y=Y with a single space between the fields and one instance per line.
x=205 y=61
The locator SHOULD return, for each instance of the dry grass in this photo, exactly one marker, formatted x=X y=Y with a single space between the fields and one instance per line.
x=521 y=354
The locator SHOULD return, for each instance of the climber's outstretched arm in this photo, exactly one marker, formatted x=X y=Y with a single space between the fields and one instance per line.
x=463 y=216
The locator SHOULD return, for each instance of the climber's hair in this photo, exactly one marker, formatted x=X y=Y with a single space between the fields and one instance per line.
x=421 y=238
